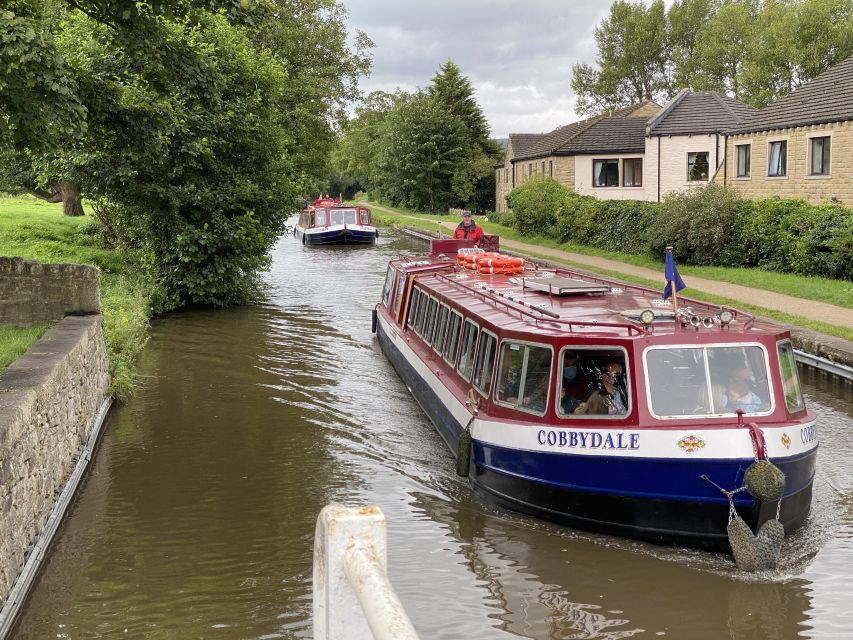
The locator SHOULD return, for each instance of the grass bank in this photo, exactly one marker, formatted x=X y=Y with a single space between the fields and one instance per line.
x=37 y=230
x=837 y=292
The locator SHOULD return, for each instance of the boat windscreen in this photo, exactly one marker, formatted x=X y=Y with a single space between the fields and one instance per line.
x=707 y=381
x=342 y=216
x=320 y=220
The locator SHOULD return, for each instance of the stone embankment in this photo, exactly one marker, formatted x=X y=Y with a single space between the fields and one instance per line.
x=48 y=398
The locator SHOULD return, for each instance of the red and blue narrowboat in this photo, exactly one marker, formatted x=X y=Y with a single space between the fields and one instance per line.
x=328 y=221
x=593 y=403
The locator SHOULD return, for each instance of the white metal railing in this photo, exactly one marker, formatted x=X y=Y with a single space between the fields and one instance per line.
x=353 y=598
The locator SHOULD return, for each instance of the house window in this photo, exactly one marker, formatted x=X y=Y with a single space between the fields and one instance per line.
x=742 y=155
x=778 y=165
x=551 y=168
x=632 y=172
x=819 y=154
x=605 y=173
x=529 y=169
x=543 y=167
x=697 y=166
x=506 y=175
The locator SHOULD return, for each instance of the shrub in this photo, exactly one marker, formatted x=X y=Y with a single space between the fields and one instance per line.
x=699 y=223
x=535 y=205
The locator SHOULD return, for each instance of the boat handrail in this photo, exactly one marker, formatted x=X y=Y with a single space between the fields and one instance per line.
x=496 y=297
x=352 y=596
x=749 y=318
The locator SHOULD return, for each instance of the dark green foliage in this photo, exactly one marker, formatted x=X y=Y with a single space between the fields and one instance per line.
x=537 y=204
x=699 y=222
x=428 y=150
x=202 y=123
x=711 y=225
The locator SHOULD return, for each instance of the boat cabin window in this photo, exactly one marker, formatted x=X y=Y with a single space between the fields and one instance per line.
x=389 y=286
x=707 y=381
x=429 y=321
x=790 y=380
x=401 y=286
x=423 y=304
x=320 y=218
x=454 y=326
x=525 y=371
x=342 y=216
x=466 y=355
x=411 y=319
x=485 y=363
x=594 y=383
x=365 y=217
x=440 y=328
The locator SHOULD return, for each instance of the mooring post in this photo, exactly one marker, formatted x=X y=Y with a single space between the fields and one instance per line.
x=353 y=597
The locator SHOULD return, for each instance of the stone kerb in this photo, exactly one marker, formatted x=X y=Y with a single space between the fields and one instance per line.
x=34 y=293
x=48 y=402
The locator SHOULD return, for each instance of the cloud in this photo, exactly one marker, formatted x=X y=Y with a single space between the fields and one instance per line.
x=518 y=55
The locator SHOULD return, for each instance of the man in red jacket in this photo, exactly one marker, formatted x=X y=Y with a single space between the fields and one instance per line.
x=468 y=229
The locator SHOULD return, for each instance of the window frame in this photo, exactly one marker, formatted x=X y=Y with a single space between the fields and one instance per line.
x=723 y=416
x=465 y=323
x=782 y=380
x=389 y=287
x=690 y=166
x=783 y=157
x=746 y=146
x=811 y=142
x=452 y=361
x=522 y=375
x=438 y=347
x=485 y=332
x=429 y=320
x=607 y=162
x=594 y=416
x=633 y=162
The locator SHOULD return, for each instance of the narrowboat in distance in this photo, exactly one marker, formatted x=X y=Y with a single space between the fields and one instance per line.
x=590 y=403
x=328 y=221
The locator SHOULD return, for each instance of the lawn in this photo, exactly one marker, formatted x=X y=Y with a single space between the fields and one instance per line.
x=37 y=230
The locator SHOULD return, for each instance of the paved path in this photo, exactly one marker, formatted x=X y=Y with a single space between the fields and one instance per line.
x=813 y=310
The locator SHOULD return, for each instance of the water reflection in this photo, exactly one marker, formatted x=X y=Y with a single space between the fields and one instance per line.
x=197 y=517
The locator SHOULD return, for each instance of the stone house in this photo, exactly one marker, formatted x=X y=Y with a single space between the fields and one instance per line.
x=581 y=155
x=798 y=147
x=686 y=143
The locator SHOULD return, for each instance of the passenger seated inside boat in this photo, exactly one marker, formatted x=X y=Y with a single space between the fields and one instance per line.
x=739 y=394
x=610 y=397
x=575 y=383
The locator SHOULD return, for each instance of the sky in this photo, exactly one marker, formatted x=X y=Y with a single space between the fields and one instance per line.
x=517 y=54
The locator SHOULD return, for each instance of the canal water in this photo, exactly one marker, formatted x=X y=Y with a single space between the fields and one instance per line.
x=196 y=519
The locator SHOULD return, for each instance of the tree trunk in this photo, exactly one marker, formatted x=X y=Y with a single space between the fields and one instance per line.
x=65 y=192
x=72 y=201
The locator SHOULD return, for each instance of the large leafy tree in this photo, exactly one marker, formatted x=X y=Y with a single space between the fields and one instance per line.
x=632 y=60
x=202 y=118
x=753 y=50
x=473 y=181
x=423 y=145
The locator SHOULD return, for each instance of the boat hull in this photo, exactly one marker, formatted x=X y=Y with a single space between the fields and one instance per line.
x=365 y=236
x=661 y=500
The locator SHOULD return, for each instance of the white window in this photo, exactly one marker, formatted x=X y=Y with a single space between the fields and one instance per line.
x=742 y=155
x=697 y=166
x=819 y=149
x=778 y=165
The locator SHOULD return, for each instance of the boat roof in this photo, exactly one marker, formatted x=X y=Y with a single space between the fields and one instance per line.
x=560 y=301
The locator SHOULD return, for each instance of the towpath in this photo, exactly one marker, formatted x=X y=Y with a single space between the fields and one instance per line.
x=811 y=309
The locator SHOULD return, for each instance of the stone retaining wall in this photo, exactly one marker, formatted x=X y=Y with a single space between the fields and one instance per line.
x=48 y=400
x=33 y=293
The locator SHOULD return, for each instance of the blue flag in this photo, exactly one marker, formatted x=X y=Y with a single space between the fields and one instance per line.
x=670 y=272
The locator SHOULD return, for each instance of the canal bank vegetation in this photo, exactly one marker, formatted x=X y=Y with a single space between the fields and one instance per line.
x=37 y=230
x=191 y=128
x=838 y=292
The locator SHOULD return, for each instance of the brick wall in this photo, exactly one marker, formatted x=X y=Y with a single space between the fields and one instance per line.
x=797 y=183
